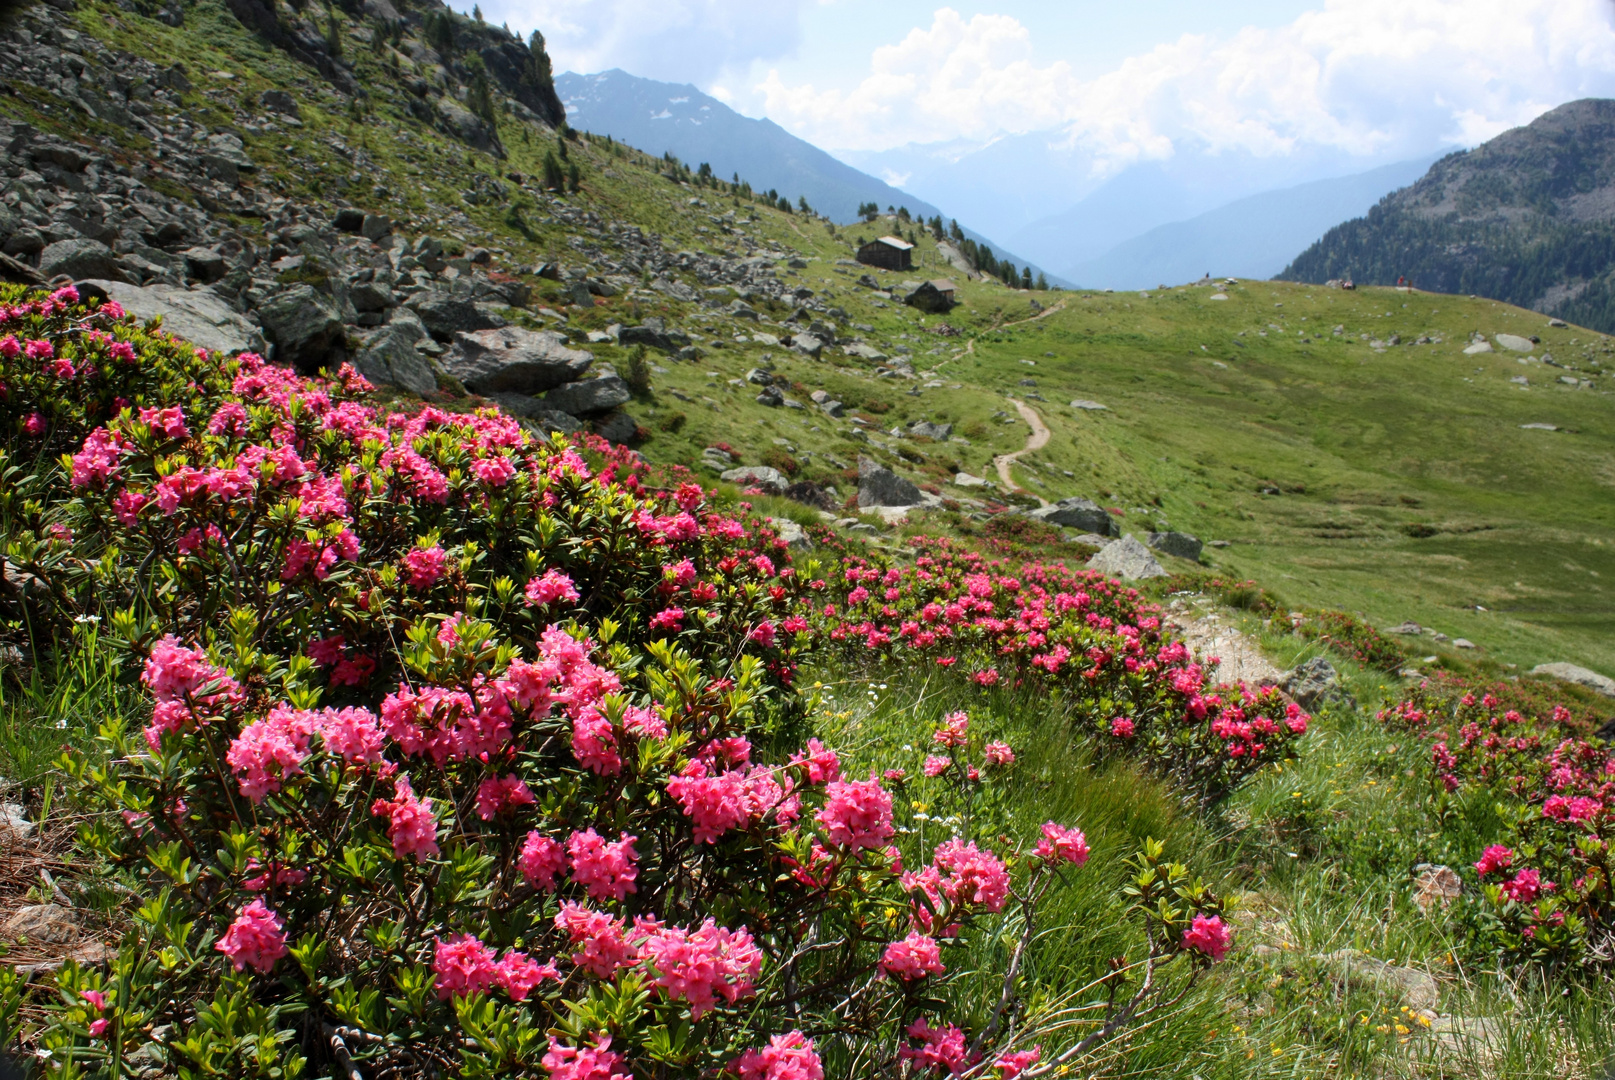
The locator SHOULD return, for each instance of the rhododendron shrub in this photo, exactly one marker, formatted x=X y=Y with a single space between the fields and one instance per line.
x=1547 y=882
x=1091 y=640
x=473 y=753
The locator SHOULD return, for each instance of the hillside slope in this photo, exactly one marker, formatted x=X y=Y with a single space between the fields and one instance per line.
x=1528 y=217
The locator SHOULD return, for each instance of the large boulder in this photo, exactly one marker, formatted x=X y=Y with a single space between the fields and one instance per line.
x=1515 y=343
x=928 y=430
x=653 y=334
x=79 y=259
x=531 y=409
x=199 y=316
x=1181 y=545
x=445 y=315
x=510 y=360
x=1315 y=683
x=618 y=427
x=879 y=486
x=389 y=357
x=465 y=125
x=303 y=324
x=758 y=476
x=1126 y=558
x=588 y=397
x=1077 y=513
x=1601 y=684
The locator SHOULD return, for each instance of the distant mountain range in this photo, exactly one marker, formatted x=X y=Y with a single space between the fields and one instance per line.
x=1253 y=237
x=1528 y=218
x=659 y=117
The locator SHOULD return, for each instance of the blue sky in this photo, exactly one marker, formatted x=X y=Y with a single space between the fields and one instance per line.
x=1118 y=82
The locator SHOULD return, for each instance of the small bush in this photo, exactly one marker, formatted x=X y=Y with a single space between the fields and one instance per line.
x=775 y=457
x=636 y=371
x=673 y=422
x=1352 y=638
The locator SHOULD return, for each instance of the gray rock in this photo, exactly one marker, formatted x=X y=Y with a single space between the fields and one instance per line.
x=926 y=429
x=1089 y=406
x=445 y=315
x=1126 y=558
x=376 y=227
x=1418 y=990
x=531 y=409
x=808 y=493
x=879 y=486
x=510 y=360
x=1315 y=683
x=771 y=397
x=27 y=241
x=465 y=125
x=795 y=537
x=1601 y=684
x=832 y=408
x=42 y=922
x=14 y=824
x=1182 y=545
x=617 y=427
x=279 y=101
x=79 y=259
x=199 y=316
x=807 y=345
x=1514 y=342
x=966 y=480
x=589 y=396
x=1435 y=886
x=653 y=335
x=866 y=352
x=303 y=324
x=759 y=476
x=1078 y=513
x=370 y=296
x=389 y=357
x=205 y=264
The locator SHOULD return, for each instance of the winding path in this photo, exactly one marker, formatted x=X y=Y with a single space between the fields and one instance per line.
x=1037 y=440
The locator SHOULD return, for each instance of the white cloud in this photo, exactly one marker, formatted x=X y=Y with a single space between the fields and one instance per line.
x=1371 y=78
x=674 y=40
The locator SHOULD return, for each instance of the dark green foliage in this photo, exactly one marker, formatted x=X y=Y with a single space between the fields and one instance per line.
x=479 y=95
x=333 y=33
x=438 y=29
x=636 y=372
x=554 y=174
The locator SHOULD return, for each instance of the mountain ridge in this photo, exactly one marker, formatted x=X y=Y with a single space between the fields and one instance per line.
x=1527 y=217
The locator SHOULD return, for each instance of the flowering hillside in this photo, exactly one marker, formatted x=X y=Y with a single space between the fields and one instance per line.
x=486 y=755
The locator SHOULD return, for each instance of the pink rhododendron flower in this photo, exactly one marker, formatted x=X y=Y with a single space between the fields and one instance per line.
x=601 y=941
x=463 y=965
x=822 y=765
x=1525 y=886
x=1013 y=1064
x=604 y=870
x=857 y=815
x=541 y=859
x=786 y=1057
x=943 y=1048
x=552 y=587
x=168 y=422
x=424 y=566
x=497 y=796
x=1208 y=935
x=715 y=804
x=970 y=875
x=410 y=824
x=269 y=750
x=936 y=765
x=34 y=424
x=954 y=730
x=495 y=471
x=518 y=973
x=354 y=734
x=915 y=957
x=598 y=1062
x=594 y=744
x=1494 y=858
x=703 y=966
x=1060 y=844
x=255 y=939
x=671 y=618
x=1121 y=727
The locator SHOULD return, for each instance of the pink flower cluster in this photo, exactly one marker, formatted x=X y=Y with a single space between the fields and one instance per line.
x=180 y=680
x=941 y=1049
x=857 y=814
x=1208 y=935
x=605 y=870
x=256 y=939
x=703 y=966
x=1060 y=844
x=915 y=957
x=786 y=1057
x=464 y=965
x=411 y=826
x=598 y=1062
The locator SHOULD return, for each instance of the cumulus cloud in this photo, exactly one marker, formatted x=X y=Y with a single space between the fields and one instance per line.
x=1371 y=78
x=674 y=40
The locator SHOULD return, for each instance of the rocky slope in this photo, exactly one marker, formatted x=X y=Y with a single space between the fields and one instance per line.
x=289 y=208
x=1528 y=217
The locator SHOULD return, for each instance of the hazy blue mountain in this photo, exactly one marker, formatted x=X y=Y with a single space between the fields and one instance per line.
x=1253 y=237
x=658 y=117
